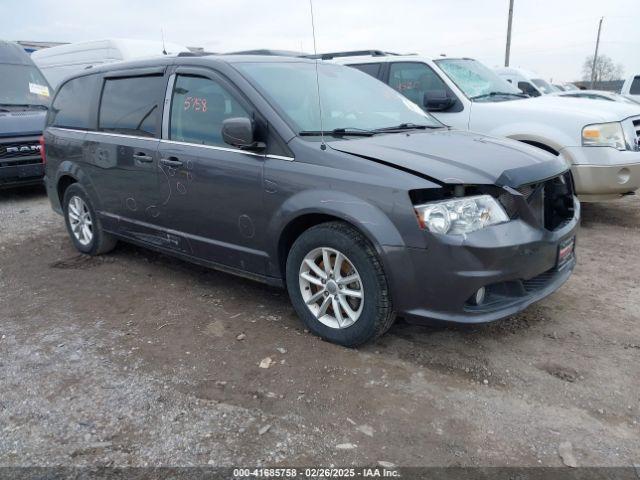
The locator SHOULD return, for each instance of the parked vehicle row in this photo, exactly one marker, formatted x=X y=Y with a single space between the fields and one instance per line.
x=528 y=82
x=597 y=95
x=362 y=182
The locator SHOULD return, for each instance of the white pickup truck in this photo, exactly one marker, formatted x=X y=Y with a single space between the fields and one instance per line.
x=599 y=139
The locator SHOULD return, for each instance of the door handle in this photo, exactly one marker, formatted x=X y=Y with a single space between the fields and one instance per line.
x=142 y=157
x=171 y=162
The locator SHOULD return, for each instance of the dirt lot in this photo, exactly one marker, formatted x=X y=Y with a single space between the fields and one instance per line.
x=133 y=359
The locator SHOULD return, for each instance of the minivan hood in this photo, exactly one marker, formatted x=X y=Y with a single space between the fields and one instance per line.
x=585 y=109
x=457 y=157
x=22 y=123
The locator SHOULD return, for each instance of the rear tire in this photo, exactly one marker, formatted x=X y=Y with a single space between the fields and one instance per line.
x=348 y=304
x=83 y=224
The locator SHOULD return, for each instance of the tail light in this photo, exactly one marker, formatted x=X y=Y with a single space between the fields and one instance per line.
x=43 y=154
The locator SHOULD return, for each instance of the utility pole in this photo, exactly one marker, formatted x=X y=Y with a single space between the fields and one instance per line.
x=595 y=56
x=508 y=52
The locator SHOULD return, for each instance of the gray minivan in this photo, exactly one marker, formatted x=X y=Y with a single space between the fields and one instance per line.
x=314 y=177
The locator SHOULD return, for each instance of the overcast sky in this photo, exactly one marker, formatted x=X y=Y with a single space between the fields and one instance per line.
x=552 y=37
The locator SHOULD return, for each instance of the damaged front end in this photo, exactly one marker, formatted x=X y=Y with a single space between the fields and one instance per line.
x=488 y=273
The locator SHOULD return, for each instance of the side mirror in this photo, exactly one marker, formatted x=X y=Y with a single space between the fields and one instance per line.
x=438 y=100
x=239 y=132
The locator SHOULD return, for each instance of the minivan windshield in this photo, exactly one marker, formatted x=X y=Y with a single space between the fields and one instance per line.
x=351 y=101
x=477 y=81
x=23 y=85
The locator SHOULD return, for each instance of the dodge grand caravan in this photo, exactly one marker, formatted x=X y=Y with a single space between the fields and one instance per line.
x=361 y=204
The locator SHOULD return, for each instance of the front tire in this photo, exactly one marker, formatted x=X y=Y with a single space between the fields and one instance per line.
x=83 y=224
x=337 y=285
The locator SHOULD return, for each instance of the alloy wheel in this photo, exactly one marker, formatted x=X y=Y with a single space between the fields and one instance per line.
x=80 y=220
x=331 y=287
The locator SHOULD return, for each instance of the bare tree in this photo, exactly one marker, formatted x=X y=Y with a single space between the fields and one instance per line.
x=605 y=69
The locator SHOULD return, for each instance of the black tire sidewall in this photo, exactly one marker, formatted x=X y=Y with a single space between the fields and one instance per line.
x=367 y=325
x=76 y=190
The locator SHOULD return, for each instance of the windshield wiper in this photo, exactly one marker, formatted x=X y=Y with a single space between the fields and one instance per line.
x=407 y=126
x=24 y=105
x=339 y=132
x=494 y=94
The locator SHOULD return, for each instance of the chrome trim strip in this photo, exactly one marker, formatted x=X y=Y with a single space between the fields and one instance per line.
x=212 y=147
x=230 y=150
x=280 y=157
x=65 y=129
x=106 y=134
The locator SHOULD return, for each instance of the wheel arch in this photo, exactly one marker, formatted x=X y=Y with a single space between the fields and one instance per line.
x=64 y=182
x=309 y=209
x=69 y=173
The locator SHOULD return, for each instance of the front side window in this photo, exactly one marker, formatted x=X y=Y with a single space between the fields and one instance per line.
x=477 y=81
x=349 y=99
x=130 y=105
x=635 y=86
x=71 y=107
x=414 y=79
x=23 y=85
x=198 y=107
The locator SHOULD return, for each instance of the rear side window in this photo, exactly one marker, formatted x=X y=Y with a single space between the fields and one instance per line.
x=131 y=105
x=198 y=108
x=72 y=105
x=372 y=69
x=635 y=86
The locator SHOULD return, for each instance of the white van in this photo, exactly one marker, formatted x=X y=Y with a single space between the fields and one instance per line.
x=528 y=82
x=59 y=62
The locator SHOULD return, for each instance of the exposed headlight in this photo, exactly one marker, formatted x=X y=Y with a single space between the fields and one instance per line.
x=604 y=135
x=460 y=215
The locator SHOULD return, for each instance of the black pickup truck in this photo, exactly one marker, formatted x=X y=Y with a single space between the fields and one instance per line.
x=24 y=101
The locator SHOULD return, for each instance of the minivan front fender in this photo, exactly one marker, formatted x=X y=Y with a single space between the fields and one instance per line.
x=370 y=220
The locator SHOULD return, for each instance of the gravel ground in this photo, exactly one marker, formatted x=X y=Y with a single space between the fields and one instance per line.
x=136 y=359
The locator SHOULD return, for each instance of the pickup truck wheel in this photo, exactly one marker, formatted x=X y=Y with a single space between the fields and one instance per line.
x=83 y=224
x=337 y=285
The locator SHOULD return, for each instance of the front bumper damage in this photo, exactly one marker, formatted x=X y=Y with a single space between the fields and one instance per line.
x=517 y=263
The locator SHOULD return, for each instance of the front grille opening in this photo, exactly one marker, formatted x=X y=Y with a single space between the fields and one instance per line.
x=558 y=202
x=551 y=202
x=18 y=163
x=11 y=150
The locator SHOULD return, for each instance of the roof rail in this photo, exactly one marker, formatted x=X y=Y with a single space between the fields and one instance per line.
x=268 y=51
x=353 y=53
